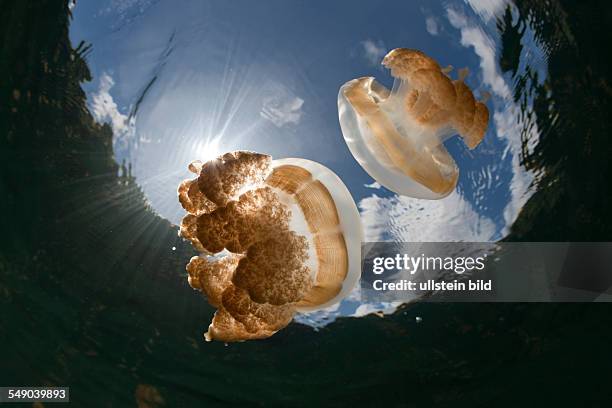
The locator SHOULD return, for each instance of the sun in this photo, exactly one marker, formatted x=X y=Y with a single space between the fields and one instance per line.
x=208 y=149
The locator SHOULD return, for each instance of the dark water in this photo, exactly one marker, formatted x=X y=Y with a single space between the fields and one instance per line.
x=89 y=298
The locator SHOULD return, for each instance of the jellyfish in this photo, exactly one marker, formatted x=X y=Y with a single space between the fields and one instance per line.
x=398 y=135
x=276 y=237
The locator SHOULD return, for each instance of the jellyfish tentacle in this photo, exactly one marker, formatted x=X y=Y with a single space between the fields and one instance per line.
x=463 y=73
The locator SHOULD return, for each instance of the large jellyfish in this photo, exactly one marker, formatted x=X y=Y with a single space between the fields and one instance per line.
x=276 y=237
x=398 y=136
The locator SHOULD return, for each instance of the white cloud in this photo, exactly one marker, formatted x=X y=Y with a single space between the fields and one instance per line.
x=508 y=123
x=431 y=25
x=353 y=306
x=509 y=128
x=322 y=317
x=280 y=106
x=105 y=110
x=407 y=219
x=373 y=51
x=375 y=185
x=456 y=18
x=473 y=36
x=122 y=8
x=380 y=309
x=488 y=9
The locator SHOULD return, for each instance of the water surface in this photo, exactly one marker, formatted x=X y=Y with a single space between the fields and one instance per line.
x=107 y=103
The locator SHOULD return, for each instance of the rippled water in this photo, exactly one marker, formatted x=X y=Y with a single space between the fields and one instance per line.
x=108 y=103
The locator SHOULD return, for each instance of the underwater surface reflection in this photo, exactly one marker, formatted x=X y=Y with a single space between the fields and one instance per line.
x=107 y=104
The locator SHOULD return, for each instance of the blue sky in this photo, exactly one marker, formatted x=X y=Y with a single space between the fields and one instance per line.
x=208 y=77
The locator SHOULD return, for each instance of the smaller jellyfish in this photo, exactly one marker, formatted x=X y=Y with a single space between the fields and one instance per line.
x=276 y=237
x=398 y=135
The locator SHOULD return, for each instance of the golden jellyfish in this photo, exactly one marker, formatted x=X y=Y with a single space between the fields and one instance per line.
x=398 y=135
x=276 y=237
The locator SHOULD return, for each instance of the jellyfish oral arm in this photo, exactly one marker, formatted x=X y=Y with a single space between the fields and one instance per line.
x=401 y=150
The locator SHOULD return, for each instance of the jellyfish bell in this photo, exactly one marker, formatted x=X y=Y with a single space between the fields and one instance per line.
x=398 y=135
x=418 y=168
x=276 y=237
x=325 y=209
